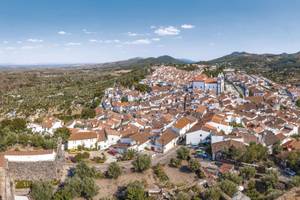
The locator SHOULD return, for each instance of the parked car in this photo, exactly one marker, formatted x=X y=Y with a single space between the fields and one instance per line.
x=289 y=172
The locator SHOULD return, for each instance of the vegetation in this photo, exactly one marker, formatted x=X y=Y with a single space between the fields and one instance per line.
x=298 y=103
x=174 y=162
x=114 y=170
x=14 y=131
x=81 y=156
x=183 y=153
x=274 y=67
x=41 y=190
x=228 y=187
x=129 y=155
x=64 y=133
x=247 y=172
x=135 y=191
x=142 y=163
x=194 y=165
x=160 y=173
x=213 y=193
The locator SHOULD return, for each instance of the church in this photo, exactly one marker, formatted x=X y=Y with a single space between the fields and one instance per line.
x=205 y=83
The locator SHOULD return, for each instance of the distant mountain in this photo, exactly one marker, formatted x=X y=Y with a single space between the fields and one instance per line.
x=278 y=67
x=139 y=62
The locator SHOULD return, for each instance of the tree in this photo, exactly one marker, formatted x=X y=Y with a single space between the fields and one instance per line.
x=83 y=171
x=64 y=133
x=277 y=148
x=295 y=181
x=228 y=187
x=88 y=188
x=212 y=193
x=247 y=172
x=41 y=191
x=88 y=113
x=129 y=155
x=232 y=177
x=114 y=170
x=298 y=103
x=251 y=190
x=255 y=153
x=142 y=163
x=183 y=153
x=270 y=180
x=135 y=191
x=194 y=165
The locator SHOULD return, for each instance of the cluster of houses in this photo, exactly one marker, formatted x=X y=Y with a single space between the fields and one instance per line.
x=189 y=108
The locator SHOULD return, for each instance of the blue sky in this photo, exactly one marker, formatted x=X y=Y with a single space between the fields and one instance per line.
x=81 y=31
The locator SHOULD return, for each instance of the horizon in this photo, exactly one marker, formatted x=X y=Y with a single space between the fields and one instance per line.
x=79 y=32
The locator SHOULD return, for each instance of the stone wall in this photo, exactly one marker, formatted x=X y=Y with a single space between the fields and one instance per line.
x=43 y=170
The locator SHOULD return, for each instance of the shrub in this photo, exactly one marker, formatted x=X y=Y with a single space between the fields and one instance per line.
x=114 y=170
x=183 y=153
x=142 y=163
x=194 y=165
x=229 y=187
x=160 y=173
x=135 y=191
x=175 y=162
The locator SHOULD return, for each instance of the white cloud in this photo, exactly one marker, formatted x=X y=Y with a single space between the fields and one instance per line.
x=5 y=42
x=73 y=44
x=88 y=32
x=132 y=34
x=35 y=40
x=156 y=39
x=95 y=41
x=164 y=31
x=140 y=41
x=62 y=33
x=187 y=26
x=152 y=27
x=19 y=42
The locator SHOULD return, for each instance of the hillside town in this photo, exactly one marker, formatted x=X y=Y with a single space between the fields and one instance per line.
x=223 y=121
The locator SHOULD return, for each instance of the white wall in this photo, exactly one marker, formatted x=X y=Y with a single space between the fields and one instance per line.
x=31 y=158
x=194 y=138
x=87 y=143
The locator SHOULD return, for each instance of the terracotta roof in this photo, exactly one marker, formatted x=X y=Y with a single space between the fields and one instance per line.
x=183 y=122
x=83 y=135
x=167 y=137
x=141 y=138
x=225 y=168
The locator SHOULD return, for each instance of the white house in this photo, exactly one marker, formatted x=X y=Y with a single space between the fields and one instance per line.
x=196 y=137
x=87 y=139
x=112 y=136
x=48 y=126
x=184 y=124
x=166 y=141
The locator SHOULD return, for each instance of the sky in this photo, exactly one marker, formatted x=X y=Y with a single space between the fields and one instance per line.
x=95 y=31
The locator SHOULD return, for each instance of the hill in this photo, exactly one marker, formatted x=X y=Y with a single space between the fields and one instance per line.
x=274 y=66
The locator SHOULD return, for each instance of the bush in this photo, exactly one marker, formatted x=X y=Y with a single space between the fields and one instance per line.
x=81 y=156
x=183 y=153
x=183 y=196
x=160 y=173
x=128 y=155
x=212 y=193
x=194 y=165
x=229 y=187
x=41 y=191
x=232 y=177
x=175 y=162
x=247 y=172
x=135 y=191
x=114 y=170
x=142 y=163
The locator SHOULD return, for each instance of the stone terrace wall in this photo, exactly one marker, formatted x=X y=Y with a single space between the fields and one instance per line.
x=42 y=170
